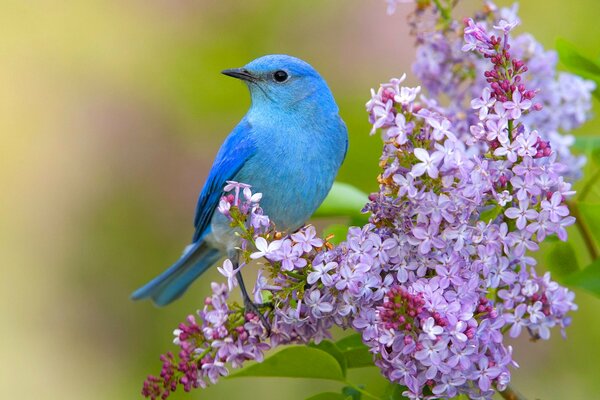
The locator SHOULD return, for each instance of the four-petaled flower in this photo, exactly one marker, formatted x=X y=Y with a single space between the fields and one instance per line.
x=517 y=105
x=521 y=214
x=228 y=272
x=265 y=249
x=429 y=163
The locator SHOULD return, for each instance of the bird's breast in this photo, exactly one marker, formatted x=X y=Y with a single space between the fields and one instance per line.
x=294 y=168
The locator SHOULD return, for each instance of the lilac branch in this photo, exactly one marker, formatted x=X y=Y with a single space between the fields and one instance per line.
x=584 y=230
x=511 y=394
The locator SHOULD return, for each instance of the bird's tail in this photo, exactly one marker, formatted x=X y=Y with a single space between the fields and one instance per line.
x=172 y=283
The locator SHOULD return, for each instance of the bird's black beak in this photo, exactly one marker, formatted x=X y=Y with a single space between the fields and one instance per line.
x=240 y=73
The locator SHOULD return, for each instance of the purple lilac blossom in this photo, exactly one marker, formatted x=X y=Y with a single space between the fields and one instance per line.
x=442 y=271
x=447 y=72
x=497 y=162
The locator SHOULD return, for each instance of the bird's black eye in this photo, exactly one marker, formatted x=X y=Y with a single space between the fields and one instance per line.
x=280 y=76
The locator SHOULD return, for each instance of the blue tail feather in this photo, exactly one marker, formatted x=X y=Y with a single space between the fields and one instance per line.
x=172 y=283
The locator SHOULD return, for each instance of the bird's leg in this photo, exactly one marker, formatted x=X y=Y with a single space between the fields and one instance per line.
x=249 y=305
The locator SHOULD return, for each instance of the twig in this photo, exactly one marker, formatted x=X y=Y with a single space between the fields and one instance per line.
x=511 y=394
x=585 y=232
x=585 y=190
x=443 y=11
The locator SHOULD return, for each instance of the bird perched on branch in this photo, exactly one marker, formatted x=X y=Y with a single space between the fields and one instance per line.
x=289 y=146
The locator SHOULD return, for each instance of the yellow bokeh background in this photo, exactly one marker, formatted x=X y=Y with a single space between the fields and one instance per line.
x=110 y=115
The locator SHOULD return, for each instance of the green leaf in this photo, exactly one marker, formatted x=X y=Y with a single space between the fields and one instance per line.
x=327 y=396
x=359 y=358
x=588 y=278
x=351 y=393
x=350 y=342
x=561 y=260
x=589 y=145
x=296 y=362
x=356 y=352
x=490 y=214
x=339 y=232
x=574 y=60
x=586 y=143
x=394 y=392
x=591 y=216
x=343 y=200
x=334 y=351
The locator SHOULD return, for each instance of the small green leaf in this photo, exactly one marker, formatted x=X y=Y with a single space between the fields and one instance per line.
x=339 y=232
x=561 y=260
x=334 y=351
x=589 y=145
x=586 y=143
x=350 y=342
x=343 y=200
x=588 y=278
x=327 y=396
x=351 y=393
x=296 y=362
x=394 y=392
x=356 y=352
x=359 y=358
x=591 y=216
x=574 y=60
x=490 y=214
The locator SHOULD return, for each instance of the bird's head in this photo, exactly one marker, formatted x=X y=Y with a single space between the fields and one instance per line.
x=284 y=82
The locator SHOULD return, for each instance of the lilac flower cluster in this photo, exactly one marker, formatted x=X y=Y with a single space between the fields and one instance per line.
x=446 y=71
x=218 y=335
x=464 y=201
x=443 y=270
x=222 y=335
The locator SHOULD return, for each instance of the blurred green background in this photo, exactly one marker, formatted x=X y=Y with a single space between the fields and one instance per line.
x=110 y=115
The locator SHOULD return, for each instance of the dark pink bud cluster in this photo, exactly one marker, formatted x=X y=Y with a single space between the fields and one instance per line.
x=505 y=76
x=155 y=387
x=192 y=328
x=485 y=307
x=400 y=309
x=543 y=148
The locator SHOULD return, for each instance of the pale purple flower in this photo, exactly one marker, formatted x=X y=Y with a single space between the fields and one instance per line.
x=382 y=113
x=521 y=214
x=427 y=238
x=288 y=255
x=431 y=329
x=398 y=130
x=484 y=103
x=536 y=314
x=317 y=303
x=251 y=197
x=506 y=26
x=484 y=374
x=440 y=128
x=321 y=272
x=224 y=207
x=517 y=320
x=429 y=163
x=228 y=272
x=306 y=239
x=265 y=249
x=517 y=105
x=215 y=370
x=407 y=95
x=555 y=207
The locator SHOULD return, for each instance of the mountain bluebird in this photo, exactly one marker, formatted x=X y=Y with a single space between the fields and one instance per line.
x=289 y=146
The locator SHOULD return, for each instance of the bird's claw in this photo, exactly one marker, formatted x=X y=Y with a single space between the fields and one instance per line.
x=254 y=308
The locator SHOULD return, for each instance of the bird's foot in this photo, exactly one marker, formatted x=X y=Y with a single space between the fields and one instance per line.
x=255 y=309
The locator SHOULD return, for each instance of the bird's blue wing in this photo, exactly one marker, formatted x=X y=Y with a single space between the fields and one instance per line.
x=238 y=148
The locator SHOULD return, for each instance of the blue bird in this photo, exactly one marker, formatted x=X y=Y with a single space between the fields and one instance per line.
x=289 y=146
